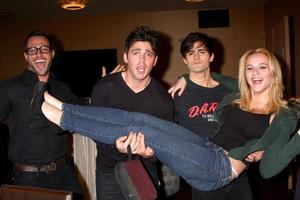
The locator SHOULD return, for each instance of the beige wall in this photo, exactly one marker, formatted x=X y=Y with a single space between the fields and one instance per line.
x=109 y=31
x=274 y=12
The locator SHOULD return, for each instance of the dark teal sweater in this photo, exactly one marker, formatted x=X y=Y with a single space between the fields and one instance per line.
x=276 y=141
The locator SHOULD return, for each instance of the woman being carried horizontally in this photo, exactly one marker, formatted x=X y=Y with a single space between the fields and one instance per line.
x=256 y=119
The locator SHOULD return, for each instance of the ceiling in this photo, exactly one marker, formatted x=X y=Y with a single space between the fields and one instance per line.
x=32 y=9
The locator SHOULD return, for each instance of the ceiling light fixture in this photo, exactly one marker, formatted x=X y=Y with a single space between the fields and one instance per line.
x=194 y=1
x=73 y=4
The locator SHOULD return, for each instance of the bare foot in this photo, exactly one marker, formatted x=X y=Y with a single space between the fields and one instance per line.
x=52 y=113
x=53 y=101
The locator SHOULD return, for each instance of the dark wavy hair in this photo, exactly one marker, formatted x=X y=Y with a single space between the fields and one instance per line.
x=143 y=34
x=188 y=43
x=36 y=33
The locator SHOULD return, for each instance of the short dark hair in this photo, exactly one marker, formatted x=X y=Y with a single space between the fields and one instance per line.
x=191 y=38
x=143 y=34
x=36 y=33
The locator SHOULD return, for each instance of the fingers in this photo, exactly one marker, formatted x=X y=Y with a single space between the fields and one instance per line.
x=103 y=71
x=258 y=156
x=120 y=144
x=118 y=68
x=144 y=150
x=122 y=139
x=137 y=145
x=121 y=68
x=149 y=152
x=115 y=69
x=179 y=87
x=134 y=144
x=142 y=141
x=123 y=142
x=181 y=90
x=176 y=88
x=172 y=91
x=255 y=156
x=250 y=159
x=128 y=140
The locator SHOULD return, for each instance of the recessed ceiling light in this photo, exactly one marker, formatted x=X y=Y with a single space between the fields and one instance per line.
x=73 y=4
x=194 y=1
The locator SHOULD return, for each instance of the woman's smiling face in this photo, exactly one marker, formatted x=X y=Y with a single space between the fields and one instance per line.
x=258 y=73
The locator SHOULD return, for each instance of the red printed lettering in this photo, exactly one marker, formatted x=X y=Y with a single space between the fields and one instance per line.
x=204 y=109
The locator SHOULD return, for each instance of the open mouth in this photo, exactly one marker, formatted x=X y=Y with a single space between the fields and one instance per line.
x=141 y=69
x=257 y=80
x=40 y=63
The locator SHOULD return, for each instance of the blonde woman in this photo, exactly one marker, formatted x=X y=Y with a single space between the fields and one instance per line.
x=257 y=119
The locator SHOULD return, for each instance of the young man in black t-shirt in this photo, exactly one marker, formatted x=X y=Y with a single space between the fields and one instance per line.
x=195 y=106
x=132 y=90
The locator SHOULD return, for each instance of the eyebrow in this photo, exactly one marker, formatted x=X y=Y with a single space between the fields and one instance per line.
x=38 y=46
x=139 y=49
x=198 y=48
x=257 y=65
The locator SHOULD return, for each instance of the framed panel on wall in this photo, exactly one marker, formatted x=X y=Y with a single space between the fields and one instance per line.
x=82 y=69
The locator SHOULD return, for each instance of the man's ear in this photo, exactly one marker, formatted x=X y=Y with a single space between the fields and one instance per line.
x=125 y=58
x=156 y=57
x=26 y=56
x=212 y=57
x=184 y=60
x=53 y=53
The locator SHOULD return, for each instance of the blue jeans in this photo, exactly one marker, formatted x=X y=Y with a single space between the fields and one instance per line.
x=201 y=163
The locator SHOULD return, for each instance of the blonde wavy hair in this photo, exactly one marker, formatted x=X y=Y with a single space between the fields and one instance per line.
x=275 y=101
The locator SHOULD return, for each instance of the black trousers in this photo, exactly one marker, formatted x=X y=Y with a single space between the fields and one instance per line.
x=107 y=187
x=239 y=189
x=61 y=179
